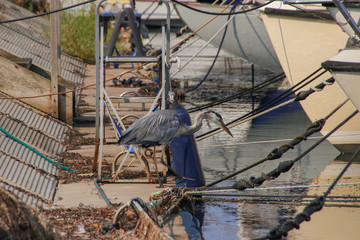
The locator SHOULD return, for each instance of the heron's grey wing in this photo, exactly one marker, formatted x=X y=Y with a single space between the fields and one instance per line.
x=159 y=127
x=154 y=128
x=131 y=133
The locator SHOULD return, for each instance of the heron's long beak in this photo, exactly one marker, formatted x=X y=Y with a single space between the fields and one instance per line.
x=223 y=126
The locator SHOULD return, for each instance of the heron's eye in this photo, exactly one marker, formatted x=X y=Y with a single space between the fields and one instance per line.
x=208 y=123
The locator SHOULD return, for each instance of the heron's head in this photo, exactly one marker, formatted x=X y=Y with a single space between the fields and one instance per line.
x=217 y=119
x=172 y=96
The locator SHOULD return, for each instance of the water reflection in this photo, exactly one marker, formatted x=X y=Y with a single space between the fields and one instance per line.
x=222 y=155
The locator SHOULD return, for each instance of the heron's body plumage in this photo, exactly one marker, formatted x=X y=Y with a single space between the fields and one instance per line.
x=155 y=128
x=160 y=127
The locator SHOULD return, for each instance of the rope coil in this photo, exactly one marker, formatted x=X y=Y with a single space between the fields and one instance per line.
x=313 y=128
x=304 y=94
x=315 y=89
x=277 y=153
x=255 y=182
x=286 y=165
x=314 y=206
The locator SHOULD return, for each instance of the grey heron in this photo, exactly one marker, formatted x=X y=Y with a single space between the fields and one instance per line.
x=160 y=127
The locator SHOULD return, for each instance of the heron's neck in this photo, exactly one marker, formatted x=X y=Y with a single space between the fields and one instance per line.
x=197 y=123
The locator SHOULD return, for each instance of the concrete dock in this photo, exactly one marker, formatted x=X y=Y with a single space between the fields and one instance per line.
x=71 y=194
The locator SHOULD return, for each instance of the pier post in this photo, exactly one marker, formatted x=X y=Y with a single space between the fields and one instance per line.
x=55 y=56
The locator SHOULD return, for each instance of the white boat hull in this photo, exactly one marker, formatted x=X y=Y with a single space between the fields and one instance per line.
x=302 y=44
x=345 y=68
x=246 y=35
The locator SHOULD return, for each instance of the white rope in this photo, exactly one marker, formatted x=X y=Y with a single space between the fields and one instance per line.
x=203 y=47
x=146 y=9
x=186 y=46
x=156 y=99
x=114 y=110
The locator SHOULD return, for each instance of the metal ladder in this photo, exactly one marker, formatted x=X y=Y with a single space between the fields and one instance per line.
x=100 y=70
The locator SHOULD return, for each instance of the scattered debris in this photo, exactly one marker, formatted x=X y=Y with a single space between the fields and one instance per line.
x=82 y=223
x=132 y=81
x=82 y=164
x=150 y=89
x=19 y=221
x=75 y=139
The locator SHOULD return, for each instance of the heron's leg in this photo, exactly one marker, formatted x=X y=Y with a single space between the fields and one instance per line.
x=165 y=156
x=156 y=168
x=147 y=168
x=173 y=171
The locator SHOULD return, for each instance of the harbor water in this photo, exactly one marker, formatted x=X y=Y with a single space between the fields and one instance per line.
x=222 y=155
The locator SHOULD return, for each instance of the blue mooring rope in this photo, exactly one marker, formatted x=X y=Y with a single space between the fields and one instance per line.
x=96 y=182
